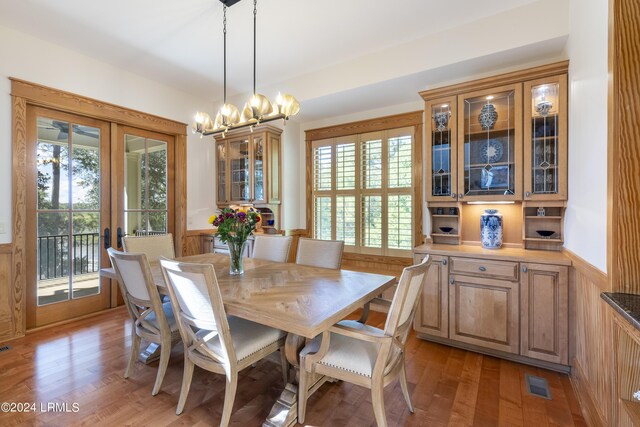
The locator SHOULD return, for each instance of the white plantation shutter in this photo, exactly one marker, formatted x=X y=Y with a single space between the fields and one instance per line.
x=362 y=191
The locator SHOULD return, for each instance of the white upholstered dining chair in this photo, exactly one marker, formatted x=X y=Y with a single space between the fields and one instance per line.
x=152 y=246
x=361 y=354
x=213 y=341
x=272 y=248
x=152 y=319
x=320 y=253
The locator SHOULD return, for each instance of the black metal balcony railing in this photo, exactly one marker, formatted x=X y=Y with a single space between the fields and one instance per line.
x=53 y=255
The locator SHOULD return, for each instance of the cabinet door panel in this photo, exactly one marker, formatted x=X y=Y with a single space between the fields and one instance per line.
x=484 y=312
x=433 y=311
x=544 y=301
x=441 y=141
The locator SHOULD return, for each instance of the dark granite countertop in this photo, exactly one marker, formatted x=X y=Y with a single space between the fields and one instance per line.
x=628 y=305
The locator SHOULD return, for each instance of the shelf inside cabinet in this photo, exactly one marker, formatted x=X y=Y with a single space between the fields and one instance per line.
x=444 y=216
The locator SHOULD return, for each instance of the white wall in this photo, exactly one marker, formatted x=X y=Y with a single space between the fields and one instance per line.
x=586 y=218
x=39 y=61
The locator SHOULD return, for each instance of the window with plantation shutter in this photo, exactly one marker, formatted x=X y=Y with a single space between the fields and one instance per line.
x=362 y=191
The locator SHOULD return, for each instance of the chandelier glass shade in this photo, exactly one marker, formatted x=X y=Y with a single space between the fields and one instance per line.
x=258 y=109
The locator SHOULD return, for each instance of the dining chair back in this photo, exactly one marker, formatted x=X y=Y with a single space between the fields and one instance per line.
x=272 y=248
x=213 y=341
x=361 y=354
x=320 y=253
x=153 y=246
x=152 y=320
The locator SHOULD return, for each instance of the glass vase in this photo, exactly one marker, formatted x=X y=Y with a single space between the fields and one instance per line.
x=236 y=260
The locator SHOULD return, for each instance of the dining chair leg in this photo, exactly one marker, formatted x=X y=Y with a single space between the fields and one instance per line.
x=404 y=387
x=187 y=375
x=229 y=397
x=303 y=392
x=165 y=352
x=135 y=349
x=284 y=363
x=377 y=399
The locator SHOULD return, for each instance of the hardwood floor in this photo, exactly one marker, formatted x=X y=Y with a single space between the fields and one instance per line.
x=82 y=363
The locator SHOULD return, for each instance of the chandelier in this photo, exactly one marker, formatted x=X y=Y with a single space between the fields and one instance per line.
x=258 y=109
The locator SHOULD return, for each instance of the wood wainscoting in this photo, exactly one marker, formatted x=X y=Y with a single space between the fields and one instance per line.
x=593 y=370
x=6 y=292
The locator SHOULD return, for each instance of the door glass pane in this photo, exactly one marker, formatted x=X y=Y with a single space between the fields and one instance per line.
x=441 y=150
x=157 y=223
x=157 y=170
x=145 y=186
x=346 y=166
x=135 y=172
x=399 y=163
x=489 y=138
x=53 y=257
x=85 y=173
x=258 y=168
x=85 y=245
x=239 y=163
x=52 y=164
x=135 y=224
x=544 y=133
x=400 y=222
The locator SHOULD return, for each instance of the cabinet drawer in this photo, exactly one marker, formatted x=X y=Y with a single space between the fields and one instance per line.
x=505 y=270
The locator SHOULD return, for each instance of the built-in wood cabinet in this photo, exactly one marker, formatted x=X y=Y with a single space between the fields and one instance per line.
x=248 y=167
x=499 y=139
x=484 y=312
x=508 y=302
x=432 y=316
x=544 y=321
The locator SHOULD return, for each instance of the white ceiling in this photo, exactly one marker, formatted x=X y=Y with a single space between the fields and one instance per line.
x=179 y=43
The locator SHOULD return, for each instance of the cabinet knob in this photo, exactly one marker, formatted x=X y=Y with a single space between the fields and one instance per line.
x=482 y=268
x=527 y=194
x=451 y=281
x=444 y=261
x=460 y=196
x=454 y=195
x=524 y=269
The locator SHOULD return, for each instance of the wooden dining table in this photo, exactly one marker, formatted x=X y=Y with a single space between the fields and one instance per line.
x=301 y=300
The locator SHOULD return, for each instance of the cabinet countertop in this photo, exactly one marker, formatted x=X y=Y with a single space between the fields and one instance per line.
x=505 y=254
x=628 y=305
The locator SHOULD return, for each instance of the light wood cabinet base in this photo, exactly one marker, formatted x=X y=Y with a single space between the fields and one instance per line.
x=496 y=353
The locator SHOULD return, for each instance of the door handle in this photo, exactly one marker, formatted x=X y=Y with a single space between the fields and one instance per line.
x=107 y=238
x=119 y=238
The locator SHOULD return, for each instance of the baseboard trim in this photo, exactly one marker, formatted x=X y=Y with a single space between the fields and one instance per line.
x=583 y=393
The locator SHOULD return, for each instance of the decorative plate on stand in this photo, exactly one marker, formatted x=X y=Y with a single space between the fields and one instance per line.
x=491 y=151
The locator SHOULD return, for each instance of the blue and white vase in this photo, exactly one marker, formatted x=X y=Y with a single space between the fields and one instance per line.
x=491 y=229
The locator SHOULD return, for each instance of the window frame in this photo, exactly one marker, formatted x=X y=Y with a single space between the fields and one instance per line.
x=383 y=128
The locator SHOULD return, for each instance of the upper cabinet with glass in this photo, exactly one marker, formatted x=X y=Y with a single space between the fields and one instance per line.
x=248 y=167
x=441 y=132
x=501 y=138
x=490 y=143
x=545 y=151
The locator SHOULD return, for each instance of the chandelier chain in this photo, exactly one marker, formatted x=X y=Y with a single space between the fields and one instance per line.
x=224 y=33
x=255 y=12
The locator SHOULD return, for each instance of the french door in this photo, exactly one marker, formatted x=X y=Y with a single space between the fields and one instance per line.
x=68 y=206
x=89 y=183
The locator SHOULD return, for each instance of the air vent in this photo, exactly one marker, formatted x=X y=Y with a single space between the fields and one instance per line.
x=5 y=348
x=537 y=386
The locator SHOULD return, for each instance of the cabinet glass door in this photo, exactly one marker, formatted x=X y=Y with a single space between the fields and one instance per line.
x=239 y=170
x=545 y=139
x=258 y=169
x=221 y=161
x=491 y=141
x=441 y=155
